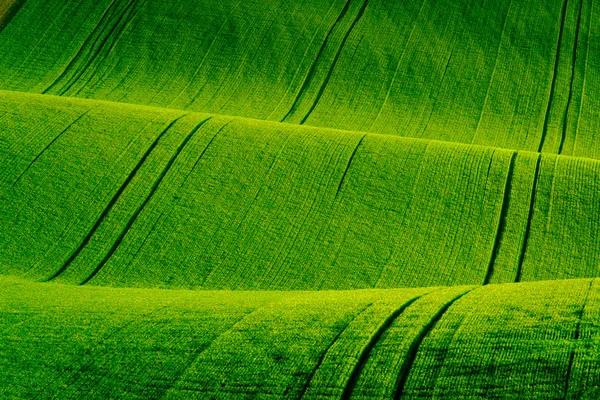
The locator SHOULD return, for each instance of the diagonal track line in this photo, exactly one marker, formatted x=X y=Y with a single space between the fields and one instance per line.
x=335 y=61
x=529 y=219
x=324 y=353
x=10 y=14
x=339 y=188
x=577 y=335
x=313 y=67
x=413 y=350
x=502 y=219
x=145 y=202
x=366 y=353
x=112 y=202
x=573 y=65
x=49 y=145
x=554 y=76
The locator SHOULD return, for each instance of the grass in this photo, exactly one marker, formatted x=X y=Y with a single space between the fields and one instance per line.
x=393 y=343
x=305 y=199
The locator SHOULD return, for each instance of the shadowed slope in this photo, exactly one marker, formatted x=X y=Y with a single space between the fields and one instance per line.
x=134 y=196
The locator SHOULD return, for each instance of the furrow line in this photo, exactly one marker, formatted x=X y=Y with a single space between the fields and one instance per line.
x=48 y=146
x=413 y=349
x=145 y=202
x=195 y=358
x=96 y=32
x=529 y=219
x=335 y=61
x=113 y=201
x=109 y=43
x=366 y=352
x=554 y=76
x=566 y=114
x=324 y=353
x=339 y=188
x=313 y=67
x=74 y=79
x=203 y=151
x=577 y=334
x=501 y=219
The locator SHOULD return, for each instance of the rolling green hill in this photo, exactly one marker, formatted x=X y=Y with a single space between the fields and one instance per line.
x=299 y=199
x=529 y=340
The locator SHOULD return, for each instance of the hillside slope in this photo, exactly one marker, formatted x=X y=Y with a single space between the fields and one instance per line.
x=134 y=196
x=531 y=340
x=515 y=74
x=363 y=199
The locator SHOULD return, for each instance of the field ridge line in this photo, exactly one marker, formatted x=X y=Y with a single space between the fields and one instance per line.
x=311 y=72
x=50 y=144
x=324 y=353
x=529 y=219
x=358 y=17
x=573 y=65
x=113 y=201
x=576 y=338
x=413 y=349
x=554 y=76
x=373 y=340
x=138 y=211
x=502 y=218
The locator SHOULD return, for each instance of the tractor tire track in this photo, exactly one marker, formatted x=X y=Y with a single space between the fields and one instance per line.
x=366 y=352
x=554 y=76
x=529 y=219
x=10 y=13
x=49 y=145
x=138 y=211
x=324 y=353
x=339 y=188
x=335 y=61
x=413 y=349
x=94 y=45
x=576 y=338
x=501 y=219
x=573 y=65
x=113 y=201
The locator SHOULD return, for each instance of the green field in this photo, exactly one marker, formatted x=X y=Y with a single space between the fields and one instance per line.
x=371 y=199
